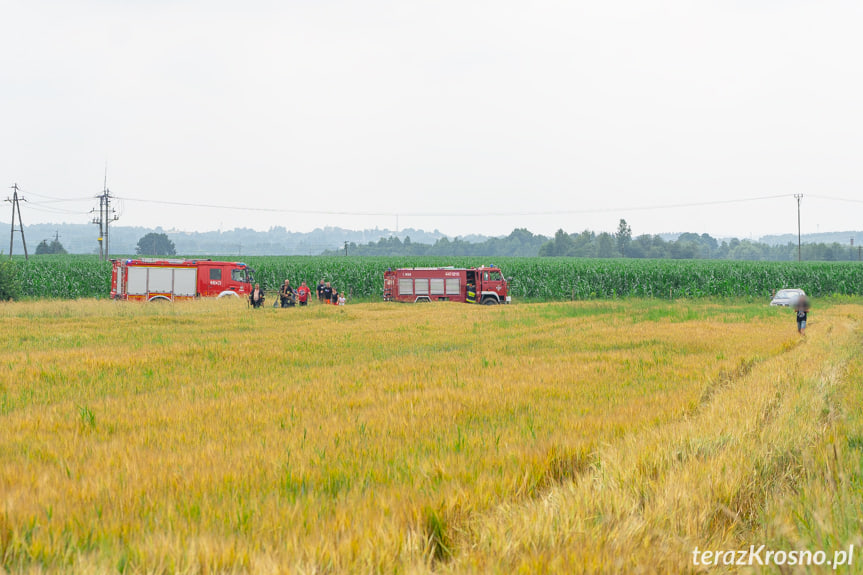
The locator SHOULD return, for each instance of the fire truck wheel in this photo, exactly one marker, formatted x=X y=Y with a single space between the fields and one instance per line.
x=489 y=301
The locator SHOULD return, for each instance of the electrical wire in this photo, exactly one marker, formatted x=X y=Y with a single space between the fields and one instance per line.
x=42 y=208
x=451 y=214
x=55 y=199
x=835 y=199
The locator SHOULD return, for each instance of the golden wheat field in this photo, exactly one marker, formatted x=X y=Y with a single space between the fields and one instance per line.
x=614 y=436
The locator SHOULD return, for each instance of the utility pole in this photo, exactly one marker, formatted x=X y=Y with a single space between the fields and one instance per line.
x=346 y=247
x=798 y=197
x=16 y=207
x=98 y=222
x=106 y=216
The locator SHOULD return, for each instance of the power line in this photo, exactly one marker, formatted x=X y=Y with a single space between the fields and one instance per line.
x=451 y=214
x=56 y=199
x=43 y=208
x=835 y=199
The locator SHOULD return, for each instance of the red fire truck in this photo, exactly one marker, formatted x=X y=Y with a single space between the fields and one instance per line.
x=485 y=285
x=150 y=279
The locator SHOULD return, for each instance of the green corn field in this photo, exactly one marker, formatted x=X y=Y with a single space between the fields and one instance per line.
x=540 y=279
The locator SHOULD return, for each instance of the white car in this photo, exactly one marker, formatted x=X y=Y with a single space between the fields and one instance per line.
x=787 y=297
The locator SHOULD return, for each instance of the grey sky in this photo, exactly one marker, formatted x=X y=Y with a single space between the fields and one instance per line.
x=487 y=115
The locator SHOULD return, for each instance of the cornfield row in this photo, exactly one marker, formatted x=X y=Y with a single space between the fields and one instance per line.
x=530 y=278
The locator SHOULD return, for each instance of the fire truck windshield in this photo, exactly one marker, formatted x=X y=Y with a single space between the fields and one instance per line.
x=242 y=276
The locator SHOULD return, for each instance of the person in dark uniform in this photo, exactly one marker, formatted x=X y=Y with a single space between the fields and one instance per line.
x=471 y=293
x=327 y=293
x=286 y=294
x=321 y=291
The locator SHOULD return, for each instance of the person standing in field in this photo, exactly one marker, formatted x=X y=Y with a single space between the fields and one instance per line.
x=303 y=293
x=802 y=309
x=342 y=299
x=286 y=293
x=257 y=296
x=327 y=292
x=321 y=291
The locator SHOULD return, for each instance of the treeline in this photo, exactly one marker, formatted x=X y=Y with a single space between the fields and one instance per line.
x=589 y=244
x=687 y=246
x=520 y=243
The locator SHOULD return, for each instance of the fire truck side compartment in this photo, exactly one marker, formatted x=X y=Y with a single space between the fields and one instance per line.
x=137 y=281
x=160 y=280
x=185 y=282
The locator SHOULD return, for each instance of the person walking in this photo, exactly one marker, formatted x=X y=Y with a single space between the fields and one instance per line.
x=802 y=309
x=303 y=293
x=328 y=293
x=286 y=294
x=321 y=291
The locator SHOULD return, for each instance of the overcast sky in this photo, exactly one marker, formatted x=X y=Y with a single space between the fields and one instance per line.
x=466 y=117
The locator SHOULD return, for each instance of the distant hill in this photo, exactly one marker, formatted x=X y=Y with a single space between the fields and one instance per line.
x=82 y=239
x=842 y=238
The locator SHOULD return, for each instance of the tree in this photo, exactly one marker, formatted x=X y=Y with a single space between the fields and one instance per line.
x=559 y=246
x=154 y=244
x=605 y=245
x=55 y=247
x=583 y=245
x=623 y=237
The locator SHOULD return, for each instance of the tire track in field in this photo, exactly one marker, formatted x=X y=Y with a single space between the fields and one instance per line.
x=649 y=498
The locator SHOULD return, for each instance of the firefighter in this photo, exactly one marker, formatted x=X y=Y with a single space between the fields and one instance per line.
x=286 y=294
x=257 y=296
x=471 y=293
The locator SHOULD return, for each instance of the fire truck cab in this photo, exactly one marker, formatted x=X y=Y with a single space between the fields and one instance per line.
x=153 y=279
x=485 y=285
